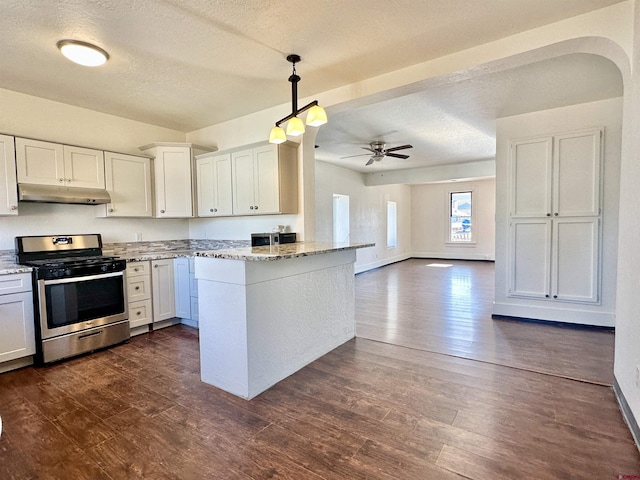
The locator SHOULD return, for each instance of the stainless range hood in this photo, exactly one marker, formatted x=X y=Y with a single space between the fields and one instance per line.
x=53 y=194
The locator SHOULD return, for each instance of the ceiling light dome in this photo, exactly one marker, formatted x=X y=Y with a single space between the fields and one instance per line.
x=83 y=53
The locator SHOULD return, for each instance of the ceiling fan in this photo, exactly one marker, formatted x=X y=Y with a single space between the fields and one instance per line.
x=379 y=151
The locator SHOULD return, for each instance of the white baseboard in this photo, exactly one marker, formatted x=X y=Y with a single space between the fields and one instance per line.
x=189 y=322
x=380 y=263
x=565 y=315
x=455 y=256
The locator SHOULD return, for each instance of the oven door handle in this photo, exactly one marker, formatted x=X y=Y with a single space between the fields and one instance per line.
x=83 y=279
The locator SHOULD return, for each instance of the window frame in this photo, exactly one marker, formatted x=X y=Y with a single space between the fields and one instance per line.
x=394 y=237
x=474 y=227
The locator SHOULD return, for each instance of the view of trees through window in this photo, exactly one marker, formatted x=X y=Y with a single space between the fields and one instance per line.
x=460 y=228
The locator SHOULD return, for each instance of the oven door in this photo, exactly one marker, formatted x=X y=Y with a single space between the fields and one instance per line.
x=72 y=304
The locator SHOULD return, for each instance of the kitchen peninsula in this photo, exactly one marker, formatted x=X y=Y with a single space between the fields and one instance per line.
x=266 y=312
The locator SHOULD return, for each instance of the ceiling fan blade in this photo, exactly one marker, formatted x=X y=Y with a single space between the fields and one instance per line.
x=359 y=155
x=369 y=162
x=402 y=147
x=397 y=155
x=369 y=149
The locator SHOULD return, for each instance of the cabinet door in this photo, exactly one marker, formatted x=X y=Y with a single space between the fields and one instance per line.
x=575 y=259
x=164 y=295
x=530 y=244
x=243 y=183
x=181 y=279
x=173 y=182
x=531 y=170
x=83 y=167
x=8 y=187
x=577 y=173
x=214 y=186
x=17 y=326
x=39 y=162
x=267 y=197
x=128 y=181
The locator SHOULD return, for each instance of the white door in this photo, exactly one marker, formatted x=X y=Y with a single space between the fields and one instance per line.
x=128 y=181
x=531 y=170
x=39 y=162
x=266 y=182
x=577 y=174
x=243 y=183
x=83 y=167
x=182 y=287
x=204 y=187
x=8 y=187
x=164 y=295
x=530 y=245
x=575 y=259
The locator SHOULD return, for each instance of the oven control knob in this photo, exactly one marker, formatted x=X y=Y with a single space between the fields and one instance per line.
x=104 y=268
x=66 y=272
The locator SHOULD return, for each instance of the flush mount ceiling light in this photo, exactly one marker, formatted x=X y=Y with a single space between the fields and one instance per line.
x=83 y=53
x=316 y=115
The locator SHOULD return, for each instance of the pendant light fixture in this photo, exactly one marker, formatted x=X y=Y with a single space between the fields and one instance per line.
x=83 y=53
x=316 y=115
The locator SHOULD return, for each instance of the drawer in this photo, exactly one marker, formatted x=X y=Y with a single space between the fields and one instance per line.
x=135 y=269
x=140 y=313
x=15 y=283
x=138 y=288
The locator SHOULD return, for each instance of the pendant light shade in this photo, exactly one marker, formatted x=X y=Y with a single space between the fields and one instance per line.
x=277 y=135
x=295 y=127
x=316 y=116
x=83 y=53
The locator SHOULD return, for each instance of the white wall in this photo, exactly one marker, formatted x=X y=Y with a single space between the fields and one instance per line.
x=33 y=117
x=429 y=220
x=367 y=214
x=607 y=114
x=627 y=350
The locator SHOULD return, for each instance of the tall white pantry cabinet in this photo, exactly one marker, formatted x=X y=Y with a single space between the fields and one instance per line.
x=555 y=217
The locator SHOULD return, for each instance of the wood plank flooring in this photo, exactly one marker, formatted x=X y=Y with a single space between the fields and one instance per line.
x=367 y=410
x=448 y=310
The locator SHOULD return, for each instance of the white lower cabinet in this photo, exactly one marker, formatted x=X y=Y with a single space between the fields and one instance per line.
x=163 y=288
x=186 y=287
x=16 y=318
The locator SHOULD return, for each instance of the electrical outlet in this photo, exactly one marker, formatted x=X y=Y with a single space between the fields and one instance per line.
x=138 y=237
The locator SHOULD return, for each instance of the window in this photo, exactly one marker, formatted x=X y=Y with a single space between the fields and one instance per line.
x=392 y=225
x=460 y=217
x=340 y=218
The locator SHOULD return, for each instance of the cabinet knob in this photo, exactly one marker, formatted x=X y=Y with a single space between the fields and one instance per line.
x=161 y=211
x=138 y=313
x=14 y=207
x=215 y=209
x=548 y=214
x=136 y=269
x=547 y=295
x=138 y=287
x=111 y=210
x=211 y=209
x=251 y=207
x=256 y=207
x=555 y=214
x=61 y=179
x=555 y=296
x=155 y=266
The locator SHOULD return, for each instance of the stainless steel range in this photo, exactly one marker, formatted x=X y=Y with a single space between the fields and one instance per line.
x=79 y=294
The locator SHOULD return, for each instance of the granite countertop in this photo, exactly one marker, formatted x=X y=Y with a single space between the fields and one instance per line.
x=229 y=249
x=279 y=252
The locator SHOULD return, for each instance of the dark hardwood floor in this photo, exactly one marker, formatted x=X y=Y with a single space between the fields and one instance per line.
x=367 y=410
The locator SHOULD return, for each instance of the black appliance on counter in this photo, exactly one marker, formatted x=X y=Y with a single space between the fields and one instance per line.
x=79 y=294
x=274 y=238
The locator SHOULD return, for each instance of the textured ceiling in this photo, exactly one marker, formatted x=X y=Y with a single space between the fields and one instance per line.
x=187 y=64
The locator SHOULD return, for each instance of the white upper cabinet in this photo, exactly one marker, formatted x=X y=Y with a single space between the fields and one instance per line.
x=213 y=173
x=173 y=177
x=8 y=185
x=557 y=175
x=128 y=181
x=265 y=180
x=47 y=163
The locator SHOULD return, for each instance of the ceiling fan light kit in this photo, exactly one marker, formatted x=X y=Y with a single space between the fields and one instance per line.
x=316 y=115
x=379 y=151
